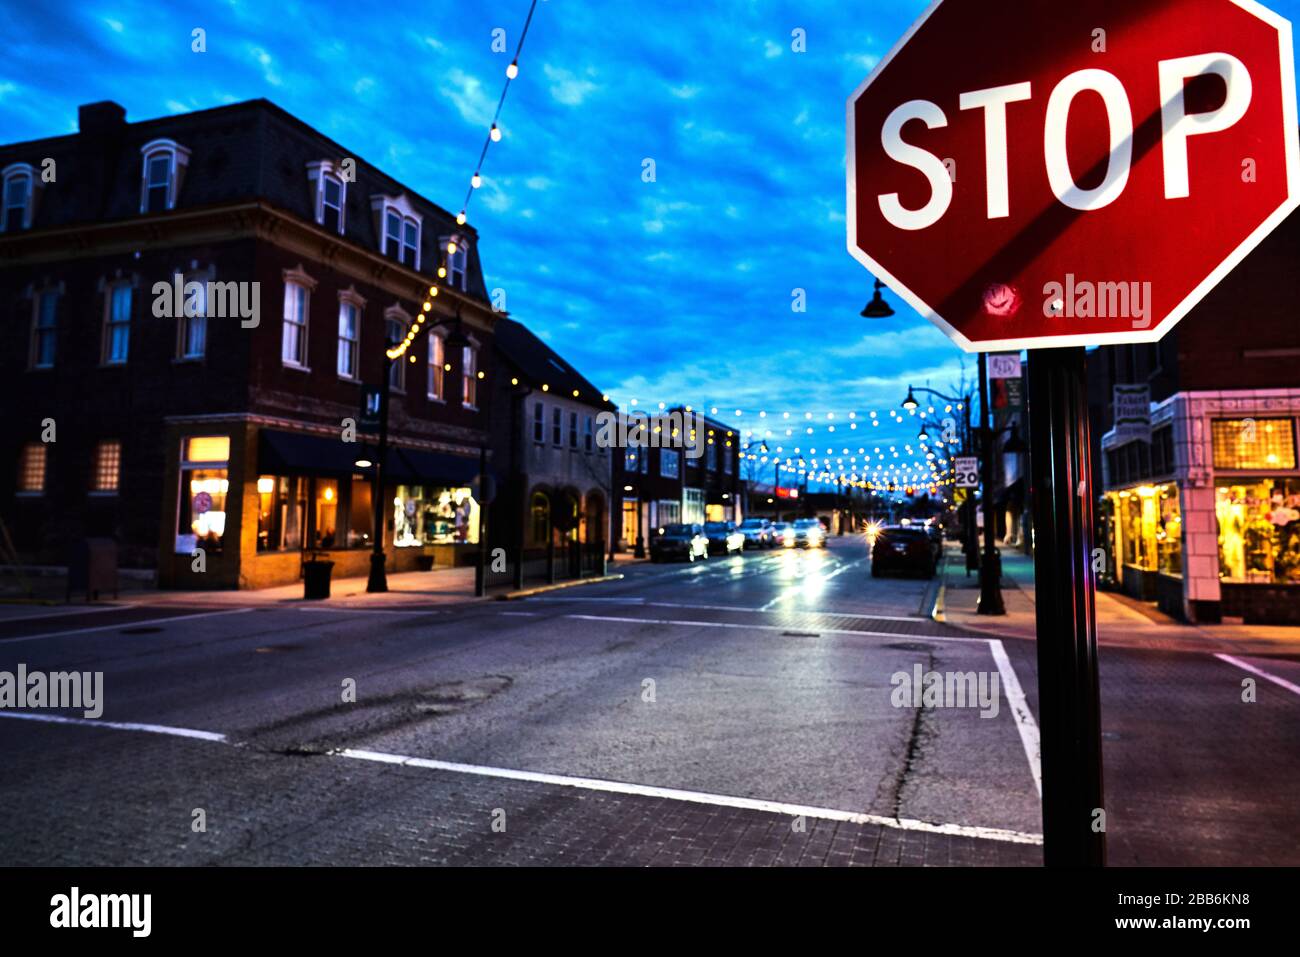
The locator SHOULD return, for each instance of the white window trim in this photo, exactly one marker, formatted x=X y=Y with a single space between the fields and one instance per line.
x=298 y=277
x=395 y=313
x=180 y=159
x=438 y=332
x=462 y=255
x=182 y=321
x=19 y=171
x=317 y=173
x=475 y=350
x=380 y=205
x=350 y=297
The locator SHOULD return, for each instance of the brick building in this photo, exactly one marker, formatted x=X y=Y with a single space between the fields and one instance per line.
x=221 y=425
x=661 y=483
x=1204 y=518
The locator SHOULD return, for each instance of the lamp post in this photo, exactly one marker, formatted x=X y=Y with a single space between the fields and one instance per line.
x=378 y=580
x=972 y=541
x=877 y=308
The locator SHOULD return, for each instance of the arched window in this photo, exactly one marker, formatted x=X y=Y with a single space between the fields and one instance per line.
x=19 y=190
x=163 y=169
x=541 y=518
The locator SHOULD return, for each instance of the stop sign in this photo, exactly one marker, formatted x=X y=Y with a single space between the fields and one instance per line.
x=1030 y=174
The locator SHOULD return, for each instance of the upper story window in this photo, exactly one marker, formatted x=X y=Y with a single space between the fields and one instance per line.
x=670 y=463
x=588 y=435
x=45 y=306
x=396 y=324
x=469 y=377
x=630 y=456
x=711 y=456
x=398 y=224
x=164 y=167
x=297 y=299
x=192 y=326
x=349 y=347
x=573 y=430
x=437 y=361
x=457 y=263
x=726 y=460
x=557 y=426
x=117 y=324
x=329 y=194
x=19 y=194
x=539 y=423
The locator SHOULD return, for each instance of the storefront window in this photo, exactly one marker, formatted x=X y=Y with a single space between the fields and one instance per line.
x=1259 y=530
x=203 y=488
x=325 y=530
x=429 y=515
x=1253 y=444
x=1149 y=524
x=281 y=504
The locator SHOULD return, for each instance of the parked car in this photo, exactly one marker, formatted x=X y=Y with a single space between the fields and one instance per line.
x=679 y=541
x=809 y=533
x=724 y=538
x=904 y=548
x=758 y=533
x=936 y=536
x=783 y=535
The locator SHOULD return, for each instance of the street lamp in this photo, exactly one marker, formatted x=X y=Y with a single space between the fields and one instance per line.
x=877 y=308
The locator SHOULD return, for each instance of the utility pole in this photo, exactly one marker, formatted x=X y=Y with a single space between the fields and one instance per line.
x=990 y=601
x=378 y=580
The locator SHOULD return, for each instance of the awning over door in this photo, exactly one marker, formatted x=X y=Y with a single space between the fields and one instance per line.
x=300 y=453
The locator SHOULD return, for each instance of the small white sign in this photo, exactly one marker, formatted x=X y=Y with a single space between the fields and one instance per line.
x=967 y=469
x=1004 y=365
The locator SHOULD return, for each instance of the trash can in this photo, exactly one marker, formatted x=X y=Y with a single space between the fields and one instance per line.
x=316 y=579
x=92 y=568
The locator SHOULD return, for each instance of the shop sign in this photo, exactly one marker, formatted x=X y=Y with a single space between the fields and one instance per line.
x=1132 y=413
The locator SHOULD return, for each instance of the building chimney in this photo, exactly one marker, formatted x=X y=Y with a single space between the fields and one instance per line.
x=102 y=117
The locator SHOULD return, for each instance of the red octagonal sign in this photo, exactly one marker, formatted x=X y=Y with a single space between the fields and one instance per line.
x=1030 y=174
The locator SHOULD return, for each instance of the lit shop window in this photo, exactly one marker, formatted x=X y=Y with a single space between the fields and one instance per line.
x=1259 y=530
x=1149 y=524
x=281 y=508
x=203 y=488
x=428 y=515
x=31 y=469
x=1253 y=444
x=108 y=467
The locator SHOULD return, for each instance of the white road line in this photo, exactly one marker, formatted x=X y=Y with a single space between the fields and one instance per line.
x=699 y=797
x=519 y=614
x=124 y=624
x=117 y=725
x=750 y=627
x=344 y=609
x=64 y=610
x=1246 y=666
x=1024 y=718
x=589 y=784
x=642 y=603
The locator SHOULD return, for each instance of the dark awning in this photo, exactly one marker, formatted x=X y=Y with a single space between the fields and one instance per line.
x=300 y=453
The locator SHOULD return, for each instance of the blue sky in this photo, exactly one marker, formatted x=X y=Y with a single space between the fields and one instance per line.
x=677 y=290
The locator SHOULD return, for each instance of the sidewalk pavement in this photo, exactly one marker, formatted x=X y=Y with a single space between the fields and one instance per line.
x=1121 y=621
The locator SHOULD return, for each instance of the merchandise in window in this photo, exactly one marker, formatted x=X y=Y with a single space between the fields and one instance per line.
x=1259 y=530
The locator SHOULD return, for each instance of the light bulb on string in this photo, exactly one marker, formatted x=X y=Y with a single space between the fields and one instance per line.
x=495 y=133
x=476 y=180
x=512 y=70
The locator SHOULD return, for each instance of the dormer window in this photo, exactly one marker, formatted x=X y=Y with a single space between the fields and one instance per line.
x=457 y=262
x=329 y=194
x=399 y=228
x=19 y=193
x=164 y=166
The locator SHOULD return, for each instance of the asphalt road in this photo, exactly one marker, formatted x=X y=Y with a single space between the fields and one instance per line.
x=731 y=712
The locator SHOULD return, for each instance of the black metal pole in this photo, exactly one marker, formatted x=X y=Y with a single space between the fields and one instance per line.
x=480 y=566
x=378 y=580
x=972 y=534
x=990 y=602
x=1069 y=699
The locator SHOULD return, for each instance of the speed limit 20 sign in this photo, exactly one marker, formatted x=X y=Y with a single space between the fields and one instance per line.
x=966 y=468
x=1031 y=174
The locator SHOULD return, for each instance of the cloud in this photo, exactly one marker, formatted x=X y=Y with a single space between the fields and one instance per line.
x=567 y=88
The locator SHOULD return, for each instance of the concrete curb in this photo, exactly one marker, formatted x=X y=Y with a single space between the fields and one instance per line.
x=511 y=596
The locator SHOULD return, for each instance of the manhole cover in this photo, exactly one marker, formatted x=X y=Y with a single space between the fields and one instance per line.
x=140 y=630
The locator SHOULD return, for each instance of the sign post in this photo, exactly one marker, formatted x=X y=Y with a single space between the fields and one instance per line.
x=1072 y=175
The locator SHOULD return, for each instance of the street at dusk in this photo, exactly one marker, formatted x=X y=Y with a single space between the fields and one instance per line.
x=605 y=443
x=770 y=684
